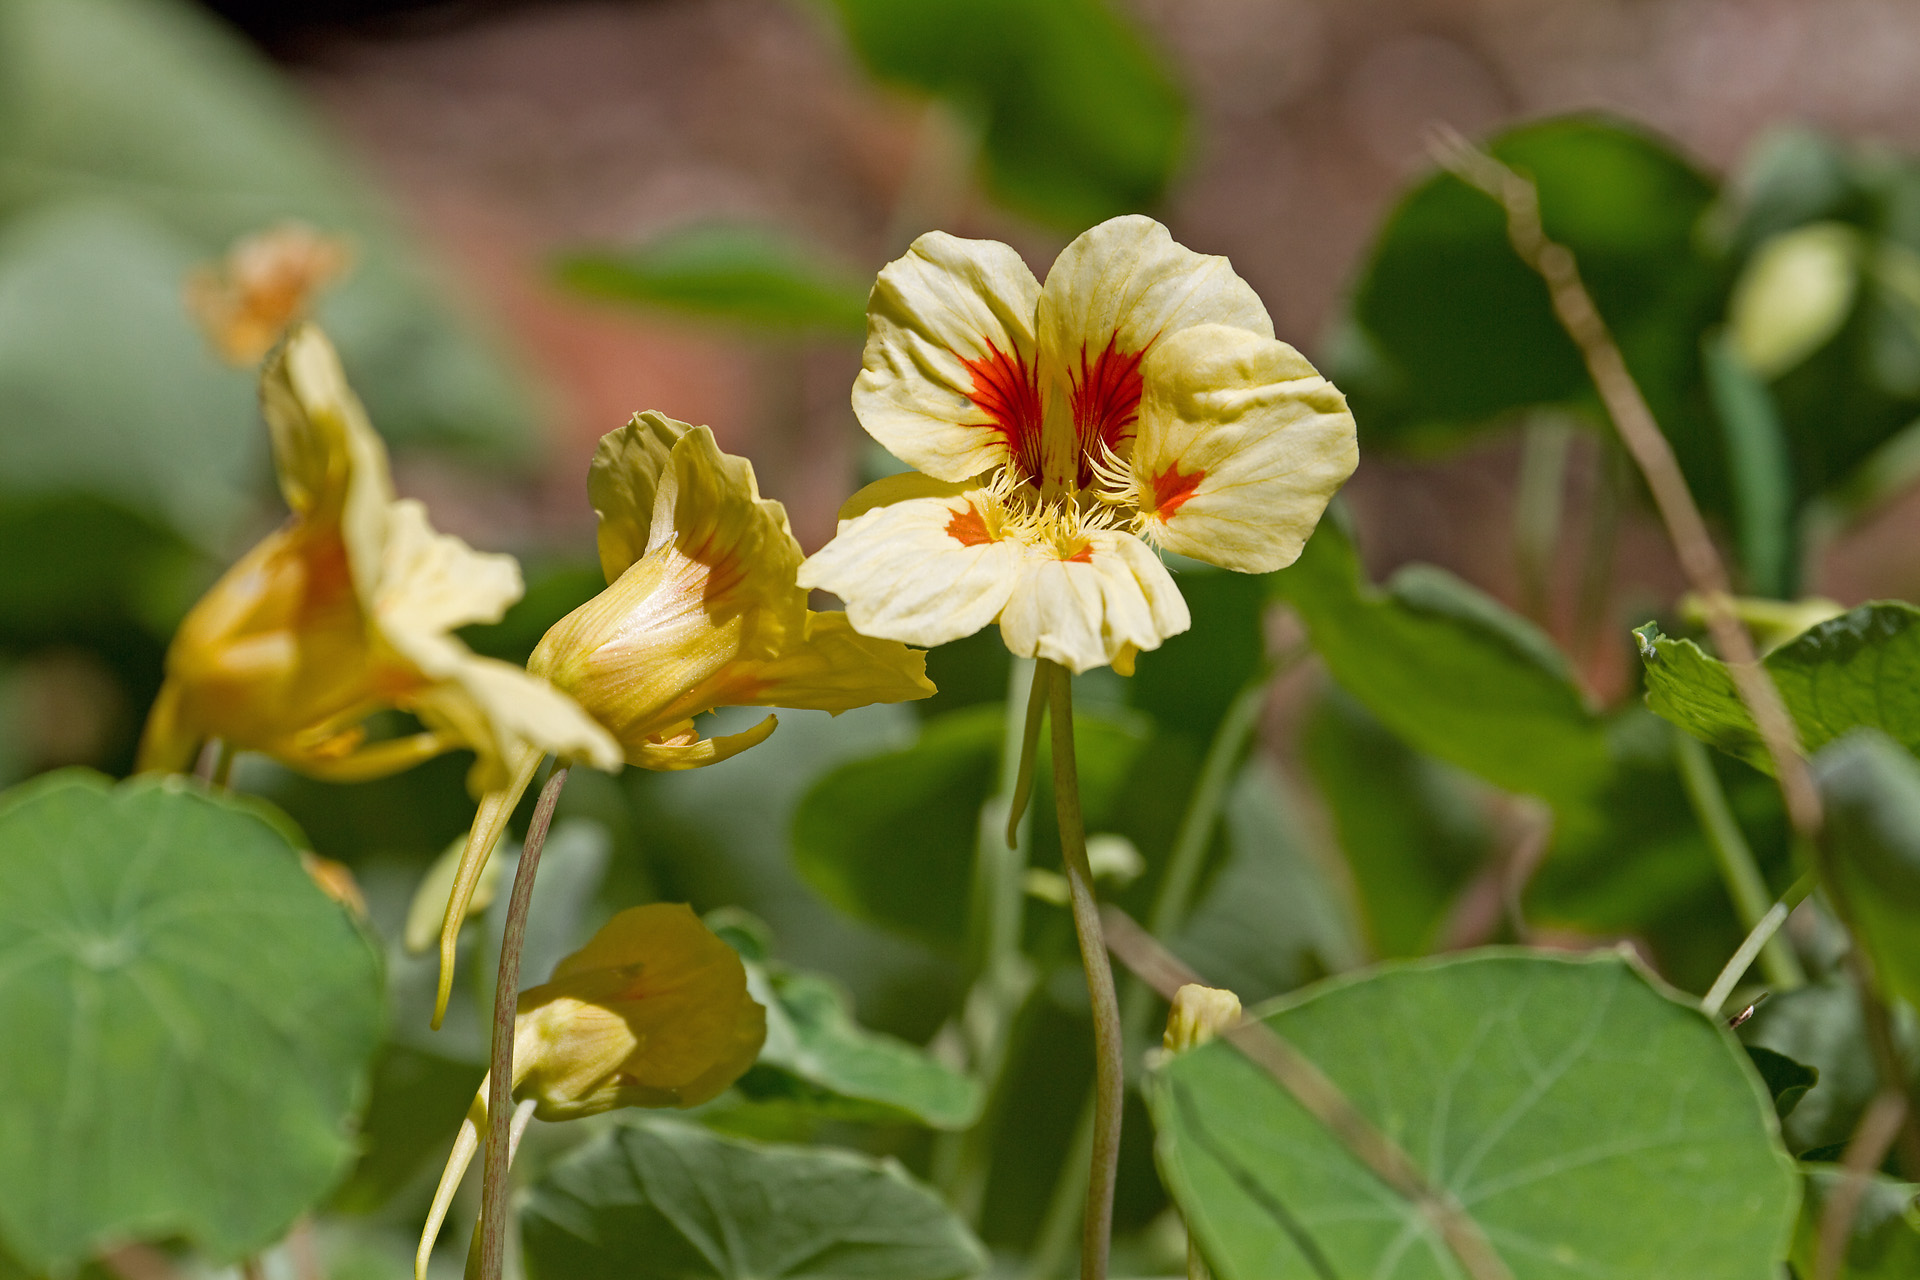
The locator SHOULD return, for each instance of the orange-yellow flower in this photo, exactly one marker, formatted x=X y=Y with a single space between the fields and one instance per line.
x=701 y=611
x=266 y=283
x=348 y=608
x=1138 y=397
x=652 y=1012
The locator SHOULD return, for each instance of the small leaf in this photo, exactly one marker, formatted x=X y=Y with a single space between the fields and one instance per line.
x=189 y=1021
x=1861 y=669
x=1870 y=791
x=1591 y=1125
x=737 y=274
x=1885 y=1241
x=1788 y=1081
x=657 y=1200
x=819 y=1058
x=1450 y=670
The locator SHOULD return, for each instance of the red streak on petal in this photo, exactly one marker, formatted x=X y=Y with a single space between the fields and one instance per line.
x=968 y=528
x=1083 y=556
x=1106 y=401
x=1171 y=490
x=1007 y=390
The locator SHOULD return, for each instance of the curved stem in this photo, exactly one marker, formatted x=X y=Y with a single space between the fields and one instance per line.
x=1109 y=1055
x=1763 y=930
x=1735 y=858
x=506 y=992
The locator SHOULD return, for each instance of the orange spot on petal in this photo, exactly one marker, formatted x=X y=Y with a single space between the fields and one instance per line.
x=969 y=527
x=1171 y=489
x=1083 y=556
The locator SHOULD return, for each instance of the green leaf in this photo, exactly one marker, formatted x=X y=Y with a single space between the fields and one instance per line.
x=1885 y=1241
x=1450 y=670
x=189 y=1021
x=1078 y=119
x=1187 y=683
x=659 y=1200
x=1819 y=1025
x=1859 y=670
x=1788 y=1081
x=1590 y=1123
x=1449 y=330
x=1870 y=793
x=1412 y=829
x=737 y=274
x=817 y=1057
x=417 y=1102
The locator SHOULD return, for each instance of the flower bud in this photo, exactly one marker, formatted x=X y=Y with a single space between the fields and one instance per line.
x=1198 y=1015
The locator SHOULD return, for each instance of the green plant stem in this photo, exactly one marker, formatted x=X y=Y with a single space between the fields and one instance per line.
x=1171 y=904
x=1735 y=859
x=1537 y=504
x=215 y=766
x=1022 y=776
x=1714 y=1002
x=506 y=994
x=1109 y=1087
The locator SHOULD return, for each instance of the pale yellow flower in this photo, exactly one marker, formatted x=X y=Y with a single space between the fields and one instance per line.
x=701 y=611
x=349 y=608
x=266 y=282
x=652 y=1012
x=1138 y=397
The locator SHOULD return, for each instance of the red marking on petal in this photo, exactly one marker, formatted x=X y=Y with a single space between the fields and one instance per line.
x=1083 y=556
x=1106 y=401
x=969 y=528
x=1007 y=389
x=1171 y=490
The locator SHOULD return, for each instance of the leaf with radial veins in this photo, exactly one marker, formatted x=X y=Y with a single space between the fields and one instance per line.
x=1591 y=1124
x=1859 y=670
x=188 y=1021
x=661 y=1200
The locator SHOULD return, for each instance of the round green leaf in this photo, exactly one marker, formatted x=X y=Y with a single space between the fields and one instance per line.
x=663 y=1199
x=188 y=1021
x=1591 y=1125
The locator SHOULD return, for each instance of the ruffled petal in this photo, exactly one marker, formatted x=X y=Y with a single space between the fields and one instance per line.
x=834 y=668
x=1113 y=293
x=623 y=481
x=1085 y=611
x=948 y=381
x=924 y=571
x=1241 y=445
x=430 y=583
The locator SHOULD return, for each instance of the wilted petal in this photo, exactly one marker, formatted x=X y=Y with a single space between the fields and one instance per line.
x=1241 y=445
x=623 y=482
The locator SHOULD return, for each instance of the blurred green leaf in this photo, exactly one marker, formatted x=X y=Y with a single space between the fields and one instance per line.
x=1450 y=670
x=1870 y=794
x=1788 y=1081
x=1187 y=683
x=1078 y=117
x=1450 y=331
x=1819 y=1025
x=1861 y=669
x=1885 y=1241
x=417 y=1102
x=739 y=274
x=817 y=1057
x=658 y=1200
x=1411 y=827
x=1528 y=1087
x=189 y=1021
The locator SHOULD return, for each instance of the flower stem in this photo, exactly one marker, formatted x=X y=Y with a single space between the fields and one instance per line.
x=1109 y=1054
x=1769 y=924
x=1735 y=858
x=506 y=992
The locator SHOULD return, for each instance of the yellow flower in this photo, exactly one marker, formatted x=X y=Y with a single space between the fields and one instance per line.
x=265 y=283
x=1138 y=394
x=348 y=608
x=701 y=611
x=1198 y=1015
x=652 y=1012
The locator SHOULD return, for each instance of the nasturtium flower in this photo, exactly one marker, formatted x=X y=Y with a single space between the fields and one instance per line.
x=701 y=611
x=1138 y=397
x=265 y=284
x=348 y=609
x=652 y=1012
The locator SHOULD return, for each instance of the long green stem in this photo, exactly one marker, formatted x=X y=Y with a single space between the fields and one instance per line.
x=1109 y=1063
x=1735 y=858
x=1769 y=924
x=506 y=994
x=1171 y=904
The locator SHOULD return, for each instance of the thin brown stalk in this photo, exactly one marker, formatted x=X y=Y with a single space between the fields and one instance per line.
x=1321 y=1098
x=1884 y=1119
x=506 y=993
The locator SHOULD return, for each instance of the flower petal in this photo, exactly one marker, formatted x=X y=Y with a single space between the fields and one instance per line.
x=672 y=757
x=948 y=380
x=922 y=572
x=888 y=490
x=834 y=668
x=431 y=582
x=622 y=483
x=1241 y=445
x=1112 y=294
x=1085 y=611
